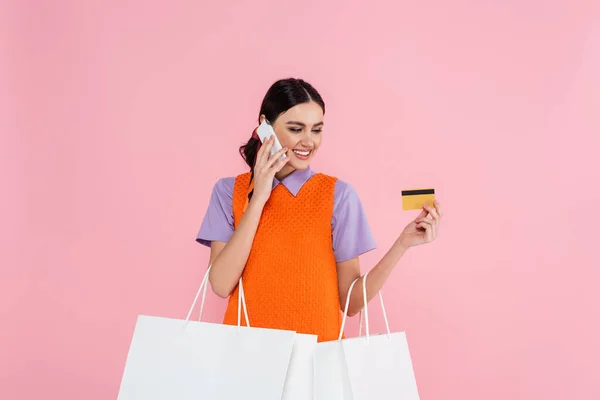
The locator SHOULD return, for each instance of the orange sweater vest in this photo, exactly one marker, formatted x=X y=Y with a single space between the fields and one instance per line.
x=290 y=279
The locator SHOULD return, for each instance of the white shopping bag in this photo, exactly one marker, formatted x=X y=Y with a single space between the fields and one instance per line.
x=370 y=367
x=331 y=380
x=299 y=379
x=172 y=359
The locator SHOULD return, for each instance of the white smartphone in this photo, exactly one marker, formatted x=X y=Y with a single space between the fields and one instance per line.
x=265 y=131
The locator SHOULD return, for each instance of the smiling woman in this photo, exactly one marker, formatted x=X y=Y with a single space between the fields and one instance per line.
x=292 y=234
x=295 y=110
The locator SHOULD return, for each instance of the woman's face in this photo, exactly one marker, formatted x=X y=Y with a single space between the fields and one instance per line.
x=299 y=128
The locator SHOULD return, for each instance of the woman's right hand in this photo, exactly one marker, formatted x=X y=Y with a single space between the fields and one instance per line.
x=265 y=168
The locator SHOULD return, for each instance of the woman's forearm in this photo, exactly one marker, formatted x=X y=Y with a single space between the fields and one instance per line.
x=228 y=265
x=376 y=277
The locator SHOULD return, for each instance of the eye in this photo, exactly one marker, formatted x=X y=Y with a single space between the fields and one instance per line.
x=295 y=130
x=317 y=130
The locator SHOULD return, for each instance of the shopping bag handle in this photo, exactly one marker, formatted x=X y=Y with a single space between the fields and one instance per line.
x=202 y=288
x=366 y=310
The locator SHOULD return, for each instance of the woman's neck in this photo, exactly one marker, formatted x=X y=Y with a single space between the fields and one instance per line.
x=284 y=173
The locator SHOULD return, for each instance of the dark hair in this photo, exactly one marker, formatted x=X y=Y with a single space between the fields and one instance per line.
x=281 y=96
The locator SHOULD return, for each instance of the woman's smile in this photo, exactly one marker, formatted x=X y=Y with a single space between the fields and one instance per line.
x=302 y=154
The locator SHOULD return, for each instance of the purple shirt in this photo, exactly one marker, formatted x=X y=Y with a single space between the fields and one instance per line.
x=350 y=230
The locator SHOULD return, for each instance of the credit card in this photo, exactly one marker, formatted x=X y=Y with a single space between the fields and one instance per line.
x=414 y=199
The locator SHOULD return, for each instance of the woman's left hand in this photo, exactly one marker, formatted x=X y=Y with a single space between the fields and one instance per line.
x=424 y=229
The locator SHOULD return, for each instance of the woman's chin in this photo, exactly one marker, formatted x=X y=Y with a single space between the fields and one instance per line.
x=299 y=164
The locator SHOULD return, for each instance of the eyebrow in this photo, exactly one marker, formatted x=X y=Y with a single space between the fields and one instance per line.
x=302 y=123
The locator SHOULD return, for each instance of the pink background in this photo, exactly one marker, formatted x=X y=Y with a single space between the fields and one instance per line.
x=118 y=118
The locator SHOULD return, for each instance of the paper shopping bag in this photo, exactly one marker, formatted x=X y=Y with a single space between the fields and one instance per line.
x=368 y=367
x=172 y=359
x=331 y=379
x=299 y=379
x=380 y=368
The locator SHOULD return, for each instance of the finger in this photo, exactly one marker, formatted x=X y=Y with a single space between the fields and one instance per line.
x=266 y=151
x=437 y=215
x=269 y=156
x=424 y=224
x=273 y=160
x=427 y=228
x=427 y=208
x=280 y=164
x=430 y=228
x=259 y=154
x=437 y=206
x=428 y=220
x=431 y=233
x=434 y=213
x=422 y=215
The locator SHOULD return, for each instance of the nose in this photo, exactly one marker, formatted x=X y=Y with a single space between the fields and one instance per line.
x=308 y=140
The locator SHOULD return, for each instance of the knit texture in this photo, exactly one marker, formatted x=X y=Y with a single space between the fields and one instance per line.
x=290 y=279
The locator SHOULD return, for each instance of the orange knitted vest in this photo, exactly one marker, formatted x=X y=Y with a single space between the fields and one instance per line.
x=290 y=279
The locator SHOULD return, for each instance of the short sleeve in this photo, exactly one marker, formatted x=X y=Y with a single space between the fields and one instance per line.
x=351 y=232
x=217 y=224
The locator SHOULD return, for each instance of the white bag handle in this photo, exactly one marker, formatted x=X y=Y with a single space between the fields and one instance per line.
x=204 y=285
x=364 y=285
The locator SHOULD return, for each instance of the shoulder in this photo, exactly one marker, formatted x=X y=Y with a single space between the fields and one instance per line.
x=228 y=183
x=322 y=178
x=346 y=201
x=344 y=188
x=344 y=192
x=224 y=185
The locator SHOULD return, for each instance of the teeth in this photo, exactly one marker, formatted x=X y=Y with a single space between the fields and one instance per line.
x=302 y=153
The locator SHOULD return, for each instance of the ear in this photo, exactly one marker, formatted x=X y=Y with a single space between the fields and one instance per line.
x=262 y=118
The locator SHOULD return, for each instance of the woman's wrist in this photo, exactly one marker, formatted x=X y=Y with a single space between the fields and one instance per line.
x=402 y=243
x=256 y=204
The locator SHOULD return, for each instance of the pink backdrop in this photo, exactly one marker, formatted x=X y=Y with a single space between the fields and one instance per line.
x=127 y=113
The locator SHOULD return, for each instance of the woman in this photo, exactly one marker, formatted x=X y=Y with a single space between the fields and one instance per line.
x=294 y=235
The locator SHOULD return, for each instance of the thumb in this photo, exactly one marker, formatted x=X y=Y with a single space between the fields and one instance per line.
x=422 y=215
